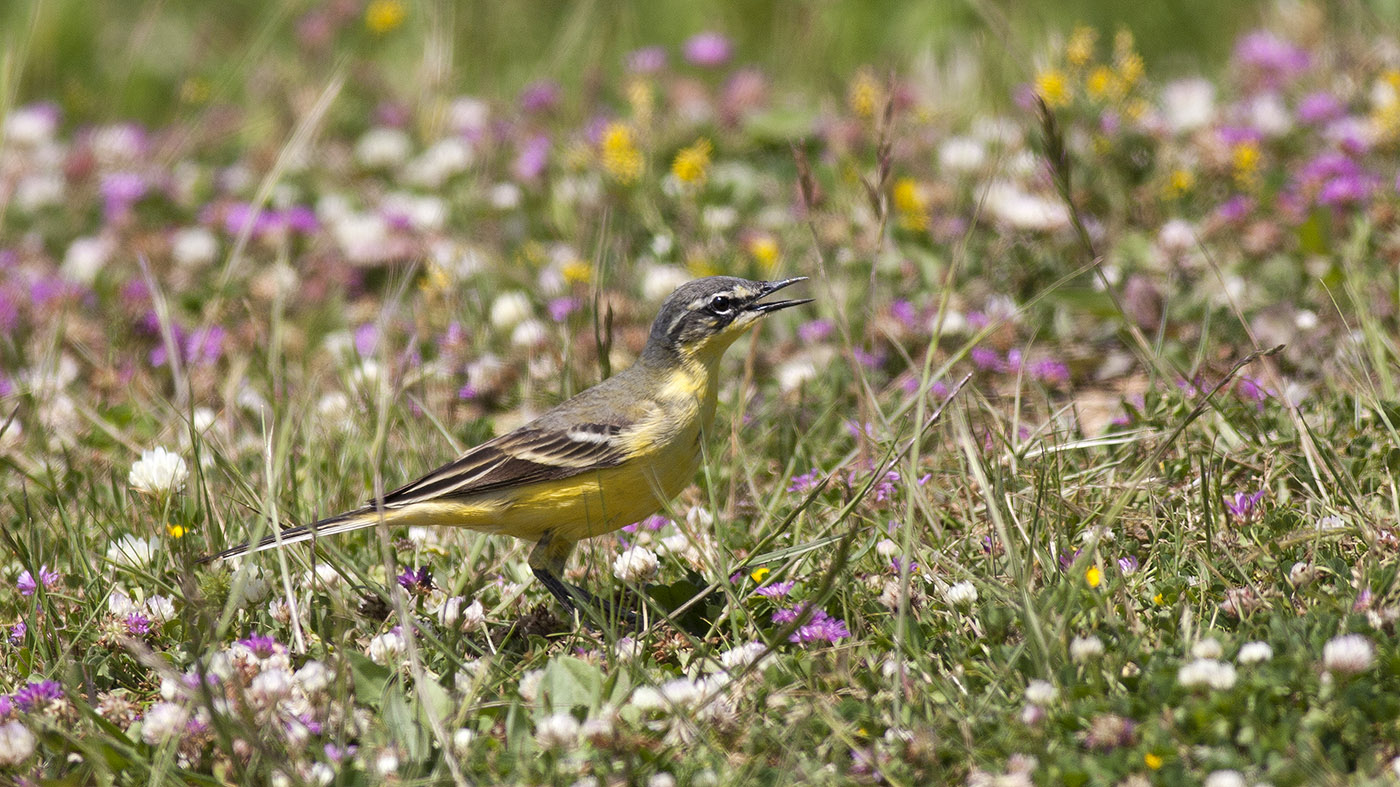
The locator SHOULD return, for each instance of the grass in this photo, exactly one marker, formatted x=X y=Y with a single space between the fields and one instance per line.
x=1054 y=505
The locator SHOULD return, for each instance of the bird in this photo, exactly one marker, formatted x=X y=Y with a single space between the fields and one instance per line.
x=609 y=456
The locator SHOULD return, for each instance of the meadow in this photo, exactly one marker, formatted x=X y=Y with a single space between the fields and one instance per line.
x=1081 y=468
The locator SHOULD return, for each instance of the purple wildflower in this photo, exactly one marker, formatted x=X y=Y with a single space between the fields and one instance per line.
x=137 y=625
x=1234 y=209
x=986 y=359
x=17 y=632
x=468 y=392
x=1321 y=107
x=1240 y=135
x=820 y=627
x=1268 y=59
x=777 y=589
x=905 y=312
x=1363 y=601
x=120 y=190
x=647 y=60
x=530 y=163
x=561 y=308
x=37 y=695
x=804 y=483
x=1243 y=506
x=27 y=584
x=1050 y=371
x=870 y=360
x=1067 y=559
x=262 y=645
x=366 y=338
x=416 y=581
x=885 y=487
x=1128 y=564
x=814 y=331
x=539 y=97
x=708 y=50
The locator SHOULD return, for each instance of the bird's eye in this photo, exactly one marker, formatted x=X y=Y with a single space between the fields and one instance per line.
x=721 y=305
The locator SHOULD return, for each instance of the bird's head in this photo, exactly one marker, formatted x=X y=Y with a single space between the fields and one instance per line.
x=705 y=316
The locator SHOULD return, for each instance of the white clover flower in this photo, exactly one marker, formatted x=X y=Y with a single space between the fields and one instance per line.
x=30 y=126
x=961 y=155
x=557 y=731
x=462 y=741
x=474 y=616
x=193 y=246
x=627 y=648
x=529 y=686
x=886 y=548
x=1224 y=779
x=433 y=167
x=510 y=309
x=719 y=218
x=1301 y=574
x=504 y=196
x=964 y=594
x=40 y=190
x=132 y=552
x=1082 y=649
x=468 y=115
x=16 y=743
x=636 y=564
x=159 y=609
x=796 y=371
x=269 y=686
x=86 y=257
x=681 y=693
x=119 y=604
x=163 y=721
x=699 y=519
x=362 y=237
x=313 y=677
x=1177 y=236
x=662 y=779
x=380 y=148
x=741 y=656
x=1188 y=104
x=1270 y=115
x=450 y=611
x=1019 y=209
x=158 y=472
x=1208 y=648
x=658 y=281
x=647 y=698
x=1348 y=654
x=423 y=213
x=529 y=333
x=386 y=763
x=1041 y=692
x=1254 y=653
x=1331 y=523
x=1219 y=675
x=387 y=647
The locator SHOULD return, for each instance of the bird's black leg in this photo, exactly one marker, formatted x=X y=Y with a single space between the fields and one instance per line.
x=547 y=562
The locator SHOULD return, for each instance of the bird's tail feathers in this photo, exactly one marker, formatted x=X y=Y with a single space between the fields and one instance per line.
x=347 y=522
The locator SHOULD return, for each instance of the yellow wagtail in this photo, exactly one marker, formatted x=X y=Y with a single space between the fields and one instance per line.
x=610 y=456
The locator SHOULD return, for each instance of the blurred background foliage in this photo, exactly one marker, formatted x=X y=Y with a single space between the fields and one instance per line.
x=160 y=60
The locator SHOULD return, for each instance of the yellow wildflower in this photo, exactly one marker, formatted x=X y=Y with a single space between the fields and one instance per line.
x=436 y=279
x=692 y=164
x=865 y=96
x=911 y=204
x=1152 y=761
x=1122 y=43
x=1158 y=600
x=1244 y=158
x=621 y=158
x=1130 y=69
x=382 y=16
x=765 y=250
x=176 y=531
x=1080 y=48
x=1053 y=87
x=1093 y=576
x=577 y=272
x=760 y=573
x=1179 y=182
x=1102 y=83
x=1136 y=108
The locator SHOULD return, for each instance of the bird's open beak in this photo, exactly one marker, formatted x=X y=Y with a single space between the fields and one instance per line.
x=771 y=287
